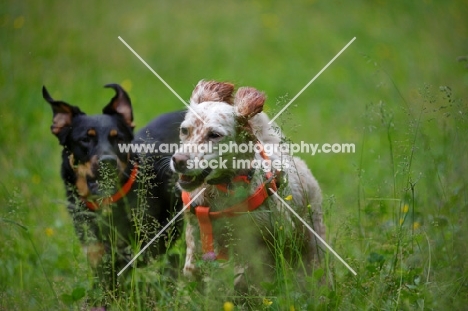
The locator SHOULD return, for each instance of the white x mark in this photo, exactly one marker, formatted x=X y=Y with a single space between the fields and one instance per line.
x=271 y=121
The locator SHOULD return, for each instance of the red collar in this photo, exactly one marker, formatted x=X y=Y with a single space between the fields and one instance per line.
x=250 y=204
x=93 y=205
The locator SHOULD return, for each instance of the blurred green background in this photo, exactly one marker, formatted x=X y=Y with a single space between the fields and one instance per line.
x=383 y=94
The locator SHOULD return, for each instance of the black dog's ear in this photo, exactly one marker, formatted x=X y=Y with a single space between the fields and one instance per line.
x=63 y=115
x=120 y=104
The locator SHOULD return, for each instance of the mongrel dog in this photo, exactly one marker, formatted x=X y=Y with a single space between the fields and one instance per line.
x=237 y=216
x=118 y=200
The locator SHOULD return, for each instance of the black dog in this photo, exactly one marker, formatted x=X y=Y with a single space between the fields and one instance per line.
x=118 y=199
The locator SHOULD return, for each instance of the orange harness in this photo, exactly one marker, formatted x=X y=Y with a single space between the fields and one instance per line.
x=93 y=205
x=205 y=217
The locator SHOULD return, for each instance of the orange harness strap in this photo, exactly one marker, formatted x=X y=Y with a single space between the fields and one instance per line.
x=206 y=232
x=204 y=215
x=93 y=205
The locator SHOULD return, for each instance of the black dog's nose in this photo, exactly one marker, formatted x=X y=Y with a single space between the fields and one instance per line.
x=180 y=162
x=108 y=160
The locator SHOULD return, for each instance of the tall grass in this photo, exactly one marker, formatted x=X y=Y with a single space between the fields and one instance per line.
x=396 y=210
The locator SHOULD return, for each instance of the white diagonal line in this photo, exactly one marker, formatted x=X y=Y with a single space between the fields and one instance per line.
x=315 y=233
x=160 y=232
x=160 y=78
x=154 y=72
x=313 y=79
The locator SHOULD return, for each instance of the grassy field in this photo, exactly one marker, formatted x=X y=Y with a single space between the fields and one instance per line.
x=396 y=209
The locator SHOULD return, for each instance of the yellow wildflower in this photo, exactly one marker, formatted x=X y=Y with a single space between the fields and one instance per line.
x=288 y=198
x=228 y=306
x=49 y=232
x=267 y=302
x=405 y=208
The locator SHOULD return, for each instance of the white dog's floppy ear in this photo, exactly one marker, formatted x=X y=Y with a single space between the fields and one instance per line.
x=249 y=101
x=212 y=91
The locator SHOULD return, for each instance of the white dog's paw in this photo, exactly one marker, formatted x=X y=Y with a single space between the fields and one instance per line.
x=189 y=270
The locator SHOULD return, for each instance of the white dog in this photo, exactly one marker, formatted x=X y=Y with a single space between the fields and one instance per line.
x=237 y=216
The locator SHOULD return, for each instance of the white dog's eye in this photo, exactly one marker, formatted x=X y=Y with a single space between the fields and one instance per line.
x=214 y=135
x=184 y=131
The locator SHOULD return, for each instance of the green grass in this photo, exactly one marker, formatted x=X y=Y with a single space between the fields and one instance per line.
x=396 y=210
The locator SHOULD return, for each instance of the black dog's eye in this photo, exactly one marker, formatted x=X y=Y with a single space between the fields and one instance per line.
x=116 y=137
x=214 y=135
x=184 y=131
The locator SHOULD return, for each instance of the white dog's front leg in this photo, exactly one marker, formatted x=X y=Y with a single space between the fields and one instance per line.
x=189 y=267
